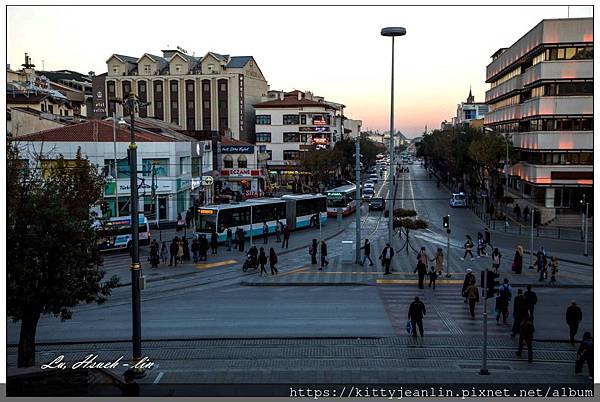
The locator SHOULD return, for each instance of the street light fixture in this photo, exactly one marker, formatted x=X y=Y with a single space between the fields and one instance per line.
x=393 y=32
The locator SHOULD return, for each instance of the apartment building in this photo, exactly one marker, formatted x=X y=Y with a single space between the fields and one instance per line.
x=213 y=92
x=469 y=111
x=541 y=98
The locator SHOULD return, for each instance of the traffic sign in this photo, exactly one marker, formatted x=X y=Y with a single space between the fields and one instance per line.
x=207 y=180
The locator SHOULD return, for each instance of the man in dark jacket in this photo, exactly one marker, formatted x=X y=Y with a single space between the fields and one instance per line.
x=386 y=258
x=416 y=312
x=229 y=238
x=203 y=247
x=421 y=271
x=265 y=233
x=286 y=237
x=324 y=261
x=367 y=253
x=574 y=317
x=469 y=280
x=526 y=336
x=214 y=242
x=531 y=300
x=173 y=249
x=520 y=312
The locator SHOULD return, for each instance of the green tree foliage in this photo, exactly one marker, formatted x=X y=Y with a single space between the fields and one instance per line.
x=52 y=257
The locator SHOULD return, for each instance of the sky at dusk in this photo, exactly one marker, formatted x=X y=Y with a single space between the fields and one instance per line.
x=335 y=52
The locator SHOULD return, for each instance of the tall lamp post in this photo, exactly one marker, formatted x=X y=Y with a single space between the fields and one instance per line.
x=393 y=32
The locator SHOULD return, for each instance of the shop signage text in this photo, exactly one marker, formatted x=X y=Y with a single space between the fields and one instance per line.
x=237 y=149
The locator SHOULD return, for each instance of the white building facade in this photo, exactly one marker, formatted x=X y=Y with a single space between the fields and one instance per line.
x=541 y=98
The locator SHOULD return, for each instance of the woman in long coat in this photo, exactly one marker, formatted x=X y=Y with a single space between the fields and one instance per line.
x=517 y=266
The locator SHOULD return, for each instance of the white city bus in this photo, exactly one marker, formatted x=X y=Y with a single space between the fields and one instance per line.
x=341 y=197
x=115 y=233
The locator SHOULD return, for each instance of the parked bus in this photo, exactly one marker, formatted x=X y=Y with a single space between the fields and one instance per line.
x=295 y=211
x=341 y=197
x=115 y=233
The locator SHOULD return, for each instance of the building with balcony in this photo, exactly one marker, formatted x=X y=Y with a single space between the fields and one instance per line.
x=541 y=98
x=290 y=123
x=214 y=92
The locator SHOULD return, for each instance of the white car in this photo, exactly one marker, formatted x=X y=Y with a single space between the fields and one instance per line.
x=367 y=193
x=374 y=178
x=458 y=200
x=369 y=184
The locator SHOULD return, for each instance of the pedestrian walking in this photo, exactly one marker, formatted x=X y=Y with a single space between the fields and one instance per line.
x=273 y=261
x=520 y=312
x=502 y=301
x=324 y=261
x=228 y=238
x=480 y=245
x=517 y=212
x=186 y=249
x=195 y=250
x=188 y=217
x=525 y=214
x=472 y=293
x=367 y=253
x=491 y=211
x=180 y=251
x=242 y=239
x=439 y=261
x=469 y=280
x=154 y=254
x=164 y=252
x=312 y=251
x=236 y=238
x=573 y=317
x=517 y=265
x=423 y=257
x=432 y=277
x=585 y=354
x=180 y=222
x=203 y=248
x=526 y=336
x=386 y=258
x=278 y=226
x=468 y=246
x=262 y=260
x=488 y=238
x=265 y=233
x=286 y=236
x=531 y=300
x=421 y=271
x=541 y=263
x=174 y=248
x=416 y=312
x=496 y=259
x=553 y=270
x=214 y=242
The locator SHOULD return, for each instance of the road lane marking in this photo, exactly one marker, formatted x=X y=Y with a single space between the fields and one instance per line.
x=215 y=264
x=413 y=281
x=291 y=272
x=158 y=377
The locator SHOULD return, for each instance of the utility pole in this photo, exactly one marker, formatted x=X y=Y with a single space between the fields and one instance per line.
x=131 y=102
x=448 y=249
x=358 y=197
x=114 y=118
x=392 y=169
x=532 y=222
x=585 y=244
x=583 y=217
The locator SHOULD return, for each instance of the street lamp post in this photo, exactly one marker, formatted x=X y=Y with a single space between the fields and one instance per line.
x=393 y=32
x=358 y=198
x=585 y=242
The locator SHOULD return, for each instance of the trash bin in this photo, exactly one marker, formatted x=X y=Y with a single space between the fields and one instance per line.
x=347 y=251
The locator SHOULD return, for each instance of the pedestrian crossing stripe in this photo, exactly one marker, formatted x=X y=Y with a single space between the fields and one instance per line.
x=413 y=281
x=215 y=264
x=294 y=271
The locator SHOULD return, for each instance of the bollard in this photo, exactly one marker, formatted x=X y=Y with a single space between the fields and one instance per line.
x=559 y=233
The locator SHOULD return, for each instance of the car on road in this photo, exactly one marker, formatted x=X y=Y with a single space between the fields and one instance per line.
x=458 y=200
x=377 y=204
x=368 y=193
x=369 y=184
x=373 y=177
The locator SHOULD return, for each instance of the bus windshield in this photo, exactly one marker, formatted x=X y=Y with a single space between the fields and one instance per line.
x=336 y=201
x=206 y=220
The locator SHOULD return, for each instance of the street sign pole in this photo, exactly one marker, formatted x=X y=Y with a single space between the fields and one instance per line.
x=448 y=253
x=585 y=244
x=531 y=255
x=484 y=370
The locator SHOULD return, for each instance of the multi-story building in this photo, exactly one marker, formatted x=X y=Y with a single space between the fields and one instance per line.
x=171 y=160
x=289 y=123
x=541 y=98
x=214 y=92
x=467 y=112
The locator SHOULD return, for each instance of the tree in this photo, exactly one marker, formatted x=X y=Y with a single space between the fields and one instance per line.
x=52 y=257
x=319 y=163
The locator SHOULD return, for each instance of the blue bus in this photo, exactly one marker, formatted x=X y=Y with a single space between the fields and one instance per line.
x=115 y=233
x=295 y=211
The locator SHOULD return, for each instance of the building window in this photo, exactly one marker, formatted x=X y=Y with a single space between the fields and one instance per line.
x=50 y=109
x=211 y=67
x=206 y=87
x=147 y=69
x=206 y=105
x=115 y=70
x=228 y=162
x=173 y=86
x=270 y=154
x=289 y=119
x=161 y=167
x=302 y=119
x=177 y=68
x=295 y=137
x=291 y=155
x=158 y=87
x=263 y=137
x=242 y=162
x=190 y=87
x=223 y=87
x=263 y=119
x=184 y=165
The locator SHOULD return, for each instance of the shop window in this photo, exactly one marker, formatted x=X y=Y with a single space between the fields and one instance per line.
x=228 y=162
x=242 y=162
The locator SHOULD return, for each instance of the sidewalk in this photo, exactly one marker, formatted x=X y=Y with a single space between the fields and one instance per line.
x=118 y=264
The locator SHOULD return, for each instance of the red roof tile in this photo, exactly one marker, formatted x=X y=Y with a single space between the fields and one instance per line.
x=232 y=141
x=291 y=101
x=93 y=131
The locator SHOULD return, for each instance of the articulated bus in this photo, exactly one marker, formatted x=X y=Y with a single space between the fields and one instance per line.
x=341 y=197
x=296 y=211
x=115 y=233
